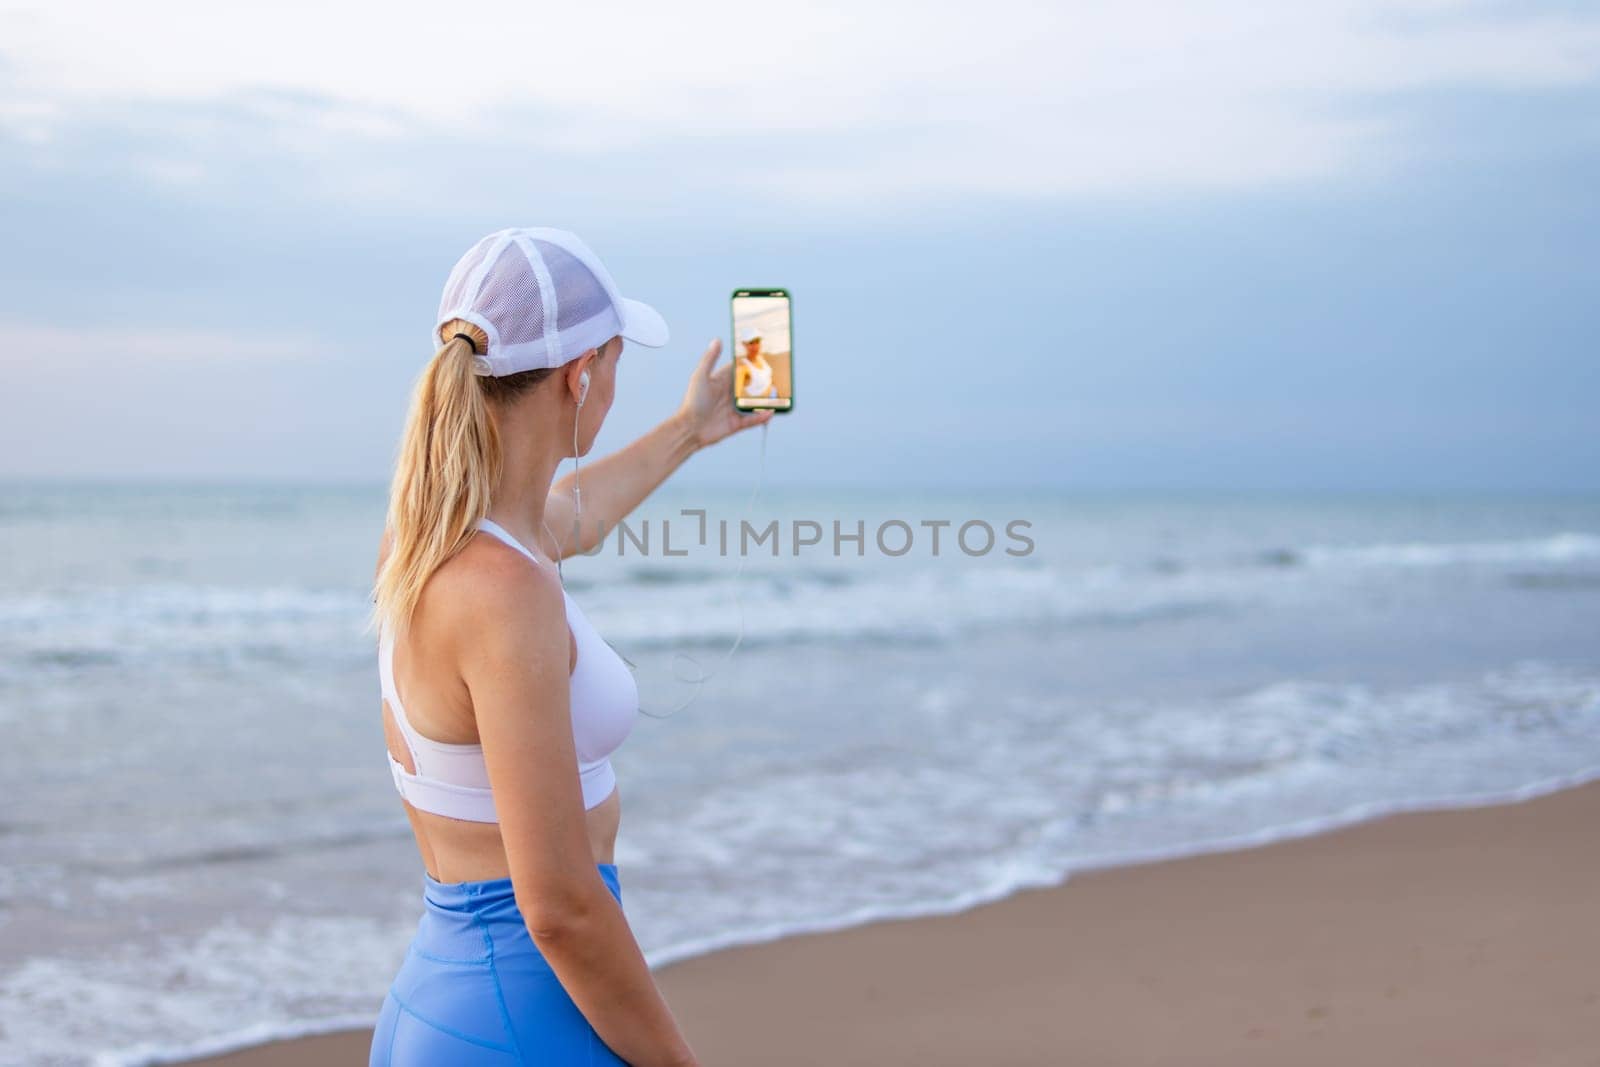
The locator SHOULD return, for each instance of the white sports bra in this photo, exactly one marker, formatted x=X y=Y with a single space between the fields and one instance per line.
x=759 y=383
x=452 y=779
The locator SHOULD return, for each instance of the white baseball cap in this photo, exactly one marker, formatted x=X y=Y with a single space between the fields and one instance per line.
x=749 y=333
x=543 y=298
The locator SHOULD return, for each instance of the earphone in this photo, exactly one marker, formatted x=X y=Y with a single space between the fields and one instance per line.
x=577 y=462
x=577 y=470
x=702 y=676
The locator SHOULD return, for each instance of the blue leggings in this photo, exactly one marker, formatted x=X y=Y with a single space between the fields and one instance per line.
x=474 y=990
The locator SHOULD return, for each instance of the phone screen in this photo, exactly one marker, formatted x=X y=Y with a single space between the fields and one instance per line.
x=763 y=350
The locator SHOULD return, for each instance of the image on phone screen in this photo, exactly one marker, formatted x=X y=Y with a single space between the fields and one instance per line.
x=763 y=352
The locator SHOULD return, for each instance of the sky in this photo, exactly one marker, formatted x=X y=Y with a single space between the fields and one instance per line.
x=1322 y=245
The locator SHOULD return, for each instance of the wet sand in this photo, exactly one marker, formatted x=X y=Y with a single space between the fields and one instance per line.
x=1455 y=937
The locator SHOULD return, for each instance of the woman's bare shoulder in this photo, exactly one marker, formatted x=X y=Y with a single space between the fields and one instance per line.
x=486 y=580
x=491 y=582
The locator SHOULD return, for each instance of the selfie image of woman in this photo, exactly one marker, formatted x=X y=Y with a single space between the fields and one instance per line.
x=753 y=370
x=761 y=367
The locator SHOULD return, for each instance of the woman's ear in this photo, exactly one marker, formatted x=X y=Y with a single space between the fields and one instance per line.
x=577 y=373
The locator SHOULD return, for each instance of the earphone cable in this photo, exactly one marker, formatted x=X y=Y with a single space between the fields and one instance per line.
x=703 y=676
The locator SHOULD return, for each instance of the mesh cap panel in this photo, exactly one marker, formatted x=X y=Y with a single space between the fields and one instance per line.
x=455 y=290
x=579 y=294
x=510 y=298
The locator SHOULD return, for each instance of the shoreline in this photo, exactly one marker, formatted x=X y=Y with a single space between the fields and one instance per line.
x=1364 y=940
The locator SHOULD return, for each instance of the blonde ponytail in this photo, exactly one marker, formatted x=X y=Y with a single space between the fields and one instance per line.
x=447 y=467
x=448 y=464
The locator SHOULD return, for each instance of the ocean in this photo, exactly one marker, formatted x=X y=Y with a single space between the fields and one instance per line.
x=201 y=846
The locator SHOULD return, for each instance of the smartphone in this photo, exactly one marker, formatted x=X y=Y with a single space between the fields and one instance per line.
x=763 y=350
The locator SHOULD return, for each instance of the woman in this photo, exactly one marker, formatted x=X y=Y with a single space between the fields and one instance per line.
x=523 y=953
x=753 y=372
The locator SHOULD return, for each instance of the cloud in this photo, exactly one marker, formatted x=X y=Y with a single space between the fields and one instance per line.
x=833 y=104
x=101 y=345
x=1357 y=232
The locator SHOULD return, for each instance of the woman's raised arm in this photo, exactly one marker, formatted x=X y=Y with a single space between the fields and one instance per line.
x=616 y=484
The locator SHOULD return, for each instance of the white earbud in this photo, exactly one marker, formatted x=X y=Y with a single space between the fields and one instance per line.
x=583 y=388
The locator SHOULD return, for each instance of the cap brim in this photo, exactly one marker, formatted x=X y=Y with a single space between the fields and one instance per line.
x=643 y=324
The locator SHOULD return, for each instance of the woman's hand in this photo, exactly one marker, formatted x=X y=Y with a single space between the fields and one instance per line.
x=707 y=411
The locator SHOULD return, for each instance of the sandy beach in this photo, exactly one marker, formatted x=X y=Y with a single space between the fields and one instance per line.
x=1462 y=937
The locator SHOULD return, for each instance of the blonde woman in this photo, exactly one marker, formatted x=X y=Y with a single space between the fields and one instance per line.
x=753 y=374
x=501 y=703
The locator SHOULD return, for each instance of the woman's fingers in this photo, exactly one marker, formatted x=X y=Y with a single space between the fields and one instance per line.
x=734 y=422
x=709 y=359
x=707 y=395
